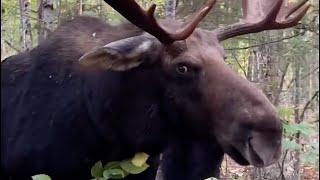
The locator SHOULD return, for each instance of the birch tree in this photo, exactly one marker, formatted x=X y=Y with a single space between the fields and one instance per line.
x=25 y=25
x=46 y=18
x=80 y=9
x=170 y=9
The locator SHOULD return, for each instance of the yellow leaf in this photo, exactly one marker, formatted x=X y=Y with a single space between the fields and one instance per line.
x=139 y=159
x=41 y=177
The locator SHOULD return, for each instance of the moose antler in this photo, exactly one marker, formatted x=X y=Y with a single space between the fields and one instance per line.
x=260 y=15
x=146 y=21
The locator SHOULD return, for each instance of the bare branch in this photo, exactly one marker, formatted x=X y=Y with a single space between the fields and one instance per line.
x=242 y=68
x=279 y=89
x=265 y=43
x=11 y=46
x=282 y=165
x=303 y=77
x=306 y=106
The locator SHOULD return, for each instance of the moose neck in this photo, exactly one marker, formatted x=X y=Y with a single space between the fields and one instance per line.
x=133 y=113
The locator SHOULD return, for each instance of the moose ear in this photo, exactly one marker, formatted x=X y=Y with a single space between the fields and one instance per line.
x=123 y=54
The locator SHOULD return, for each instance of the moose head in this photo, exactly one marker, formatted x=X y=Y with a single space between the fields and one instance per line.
x=207 y=97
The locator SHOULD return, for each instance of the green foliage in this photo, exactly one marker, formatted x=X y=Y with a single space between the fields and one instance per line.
x=311 y=155
x=114 y=174
x=302 y=128
x=97 y=169
x=120 y=169
x=41 y=177
x=113 y=169
x=288 y=144
x=129 y=167
x=211 y=178
x=285 y=113
x=139 y=159
x=238 y=59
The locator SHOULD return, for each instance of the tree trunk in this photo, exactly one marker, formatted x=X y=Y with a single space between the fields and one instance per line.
x=284 y=71
x=26 y=35
x=3 y=48
x=59 y=7
x=170 y=9
x=100 y=9
x=80 y=9
x=46 y=19
x=264 y=70
x=296 y=166
x=250 y=69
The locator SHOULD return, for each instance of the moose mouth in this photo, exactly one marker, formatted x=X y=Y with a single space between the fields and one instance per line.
x=237 y=156
x=254 y=157
x=247 y=156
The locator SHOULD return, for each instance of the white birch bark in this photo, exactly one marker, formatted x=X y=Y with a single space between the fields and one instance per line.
x=46 y=18
x=25 y=24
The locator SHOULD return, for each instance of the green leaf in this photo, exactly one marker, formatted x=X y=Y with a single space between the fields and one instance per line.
x=211 y=178
x=310 y=158
x=285 y=113
x=114 y=174
x=289 y=129
x=139 y=159
x=112 y=165
x=97 y=170
x=304 y=128
x=131 y=168
x=41 y=177
x=290 y=144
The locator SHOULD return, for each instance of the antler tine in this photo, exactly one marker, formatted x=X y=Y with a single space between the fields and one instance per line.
x=260 y=15
x=147 y=22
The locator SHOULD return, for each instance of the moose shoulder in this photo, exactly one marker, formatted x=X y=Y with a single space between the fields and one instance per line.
x=94 y=92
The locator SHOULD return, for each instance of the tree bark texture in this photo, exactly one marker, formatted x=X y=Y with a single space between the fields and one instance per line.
x=26 y=35
x=296 y=165
x=80 y=9
x=46 y=19
x=263 y=68
x=170 y=9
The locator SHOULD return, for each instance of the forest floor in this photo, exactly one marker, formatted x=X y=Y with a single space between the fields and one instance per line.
x=232 y=171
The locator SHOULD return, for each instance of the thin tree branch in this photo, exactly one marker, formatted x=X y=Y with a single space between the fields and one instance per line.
x=282 y=165
x=11 y=46
x=236 y=59
x=316 y=94
x=34 y=18
x=39 y=20
x=265 y=43
x=303 y=77
x=279 y=90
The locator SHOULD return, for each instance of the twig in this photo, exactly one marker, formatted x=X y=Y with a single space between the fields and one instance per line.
x=303 y=77
x=279 y=90
x=39 y=20
x=265 y=43
x=11 y=46
x=236 y=59
x=316 y=94
x=282 y=166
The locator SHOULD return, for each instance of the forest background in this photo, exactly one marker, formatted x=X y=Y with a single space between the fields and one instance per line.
x=283 y=63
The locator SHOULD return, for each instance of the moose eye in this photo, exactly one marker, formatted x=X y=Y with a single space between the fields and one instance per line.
x=182 y=69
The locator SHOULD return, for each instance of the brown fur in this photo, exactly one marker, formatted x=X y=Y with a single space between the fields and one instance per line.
x=208 y=106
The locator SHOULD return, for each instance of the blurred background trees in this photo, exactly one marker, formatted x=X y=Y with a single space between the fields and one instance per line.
x=283 y=63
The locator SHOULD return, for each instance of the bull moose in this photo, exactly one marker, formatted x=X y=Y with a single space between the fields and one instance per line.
x=92 y=91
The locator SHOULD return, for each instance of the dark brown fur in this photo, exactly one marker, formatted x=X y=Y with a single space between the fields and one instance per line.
x=69 y=115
